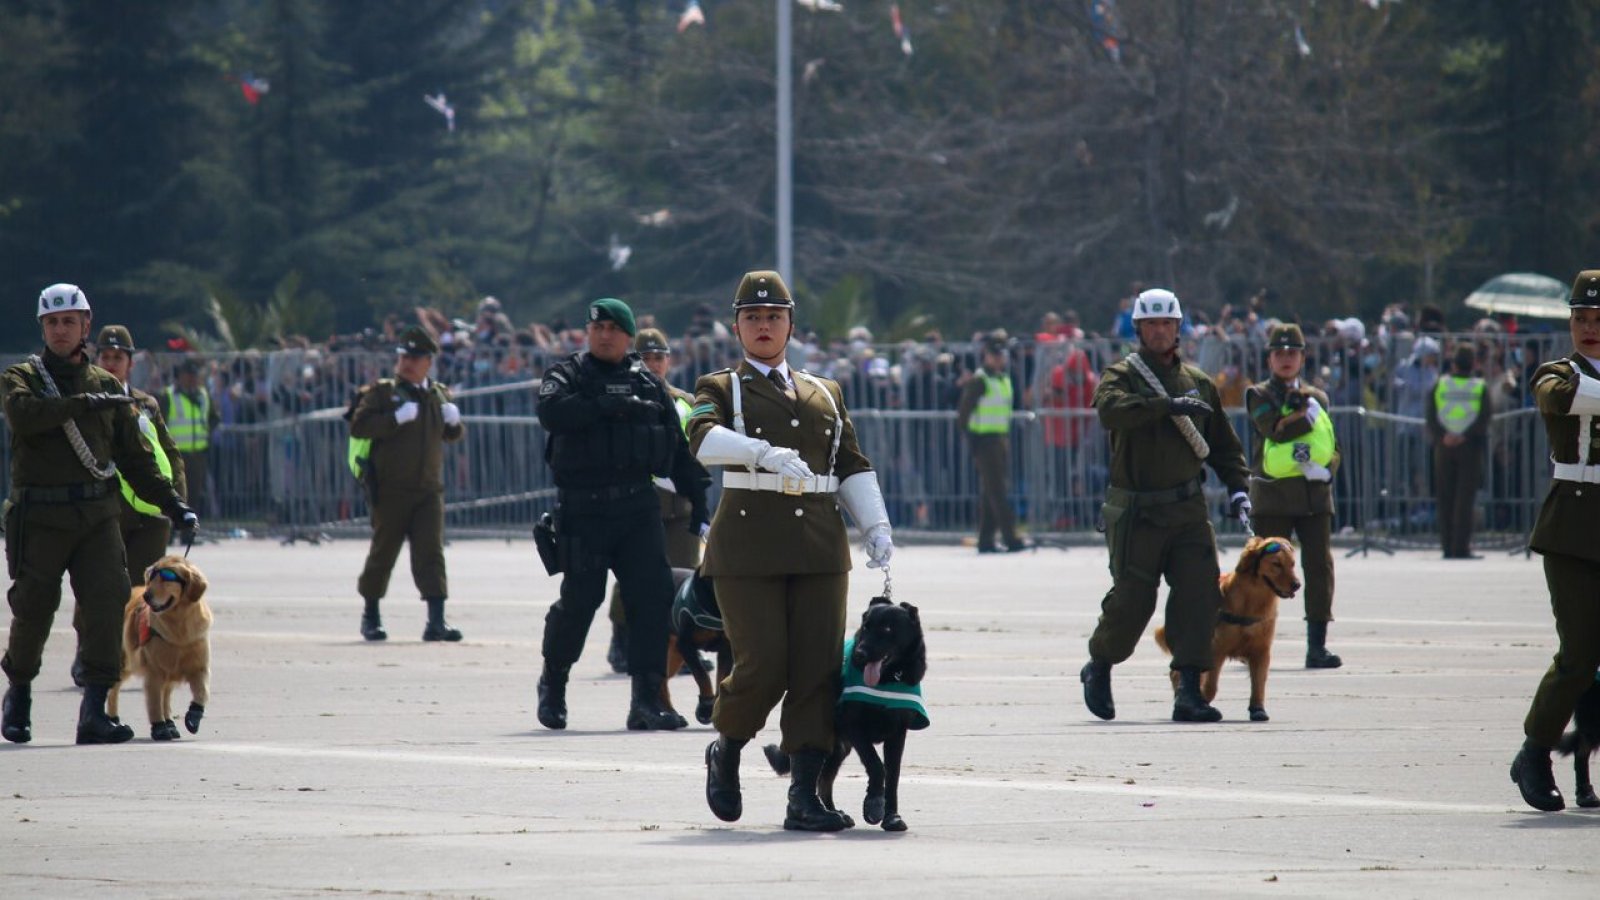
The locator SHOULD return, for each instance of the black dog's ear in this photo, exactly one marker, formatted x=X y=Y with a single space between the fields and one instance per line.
x=916 y=665
x=912 y=610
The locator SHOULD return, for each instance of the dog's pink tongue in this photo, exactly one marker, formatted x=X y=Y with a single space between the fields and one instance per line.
x=872 y=673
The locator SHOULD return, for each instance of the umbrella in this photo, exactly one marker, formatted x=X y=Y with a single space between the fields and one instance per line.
x=1523 y=294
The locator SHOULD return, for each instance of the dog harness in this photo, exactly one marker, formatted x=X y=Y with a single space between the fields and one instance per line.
x=885 y=694
x=689 y=607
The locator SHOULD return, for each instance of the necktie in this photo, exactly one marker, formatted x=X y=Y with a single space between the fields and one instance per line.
x=778 y=381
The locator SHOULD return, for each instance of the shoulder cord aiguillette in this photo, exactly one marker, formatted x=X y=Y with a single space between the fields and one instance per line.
x=74 y=436
x=1184 y=423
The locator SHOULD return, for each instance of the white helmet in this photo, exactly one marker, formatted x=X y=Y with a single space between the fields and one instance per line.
x=62 y=298
x=1156 y=303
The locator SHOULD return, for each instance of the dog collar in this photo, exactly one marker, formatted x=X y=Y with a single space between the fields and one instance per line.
x=1236 y=619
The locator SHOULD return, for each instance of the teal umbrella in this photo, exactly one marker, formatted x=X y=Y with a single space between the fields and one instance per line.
x=1522 y=294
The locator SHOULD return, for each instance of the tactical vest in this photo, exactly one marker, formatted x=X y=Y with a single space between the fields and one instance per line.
x=1282 y=460
x=887 y=694
x=187 y=424
x=1459 y=401
x=992 y=415
x=614 y=448
x=148 y=429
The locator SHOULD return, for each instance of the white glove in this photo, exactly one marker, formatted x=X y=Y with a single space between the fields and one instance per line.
x=880 y=546
x=1239 y=506
x=1313 y=409
x=705 y=530
x=726 y=447
x=452 y=414
x=785 y=462
x=406 y=412
x=1314 y=472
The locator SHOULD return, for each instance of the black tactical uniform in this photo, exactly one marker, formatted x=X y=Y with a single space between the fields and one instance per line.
x=611 y=427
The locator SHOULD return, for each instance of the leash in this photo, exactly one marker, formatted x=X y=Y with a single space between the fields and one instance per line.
x=1244 y=522
x=888 y=584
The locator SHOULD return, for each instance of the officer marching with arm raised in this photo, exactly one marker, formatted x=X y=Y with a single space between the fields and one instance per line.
x=407 y=419
x=1567 y=394
x=1166 y=423
x=73 y=430
x=1296 y=456
x=145 y=531
x=1458 y=428
x=612 y=426
x=778 y=552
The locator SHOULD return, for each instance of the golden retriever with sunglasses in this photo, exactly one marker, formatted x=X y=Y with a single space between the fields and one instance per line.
x=1248 y=619
x=166 y=638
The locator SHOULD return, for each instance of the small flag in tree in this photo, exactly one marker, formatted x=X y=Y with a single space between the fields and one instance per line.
x=692 y=15
x=253 y=87
x=443 y=107
x=901 y=33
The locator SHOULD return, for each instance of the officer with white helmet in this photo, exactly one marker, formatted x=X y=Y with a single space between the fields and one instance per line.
x=1166 y=423
x=73 y=431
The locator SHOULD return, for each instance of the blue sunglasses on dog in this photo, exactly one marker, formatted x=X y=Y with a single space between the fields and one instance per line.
x=169 y=575
x=1271 y=547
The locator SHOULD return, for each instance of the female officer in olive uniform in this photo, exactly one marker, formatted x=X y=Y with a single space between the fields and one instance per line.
x=778 y=551
x=1567 y=394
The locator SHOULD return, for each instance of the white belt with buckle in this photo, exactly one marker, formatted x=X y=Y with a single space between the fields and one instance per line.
x=772 y=481
x=1576 y=472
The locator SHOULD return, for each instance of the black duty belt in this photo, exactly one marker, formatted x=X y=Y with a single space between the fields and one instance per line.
x=609 y=494
x=1133 y=499
x=71 y=493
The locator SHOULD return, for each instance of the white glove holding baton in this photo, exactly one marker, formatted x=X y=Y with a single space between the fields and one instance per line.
x=406 y=413
x=451 y=413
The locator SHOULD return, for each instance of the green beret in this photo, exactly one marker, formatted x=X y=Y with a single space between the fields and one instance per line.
x=416 y=341
x=1585 y=290
x=115 y=337
x=610 y=309
x=651 y=340
x=762 y=288
x=1286 y=337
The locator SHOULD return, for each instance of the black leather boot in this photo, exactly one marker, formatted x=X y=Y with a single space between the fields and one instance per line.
x=437 y=629
x=371 y=624
x=806 y=812
x=1189 y=705
x=722 y=778
x=18 y=713
x=1531 y=771
x=617 y=653
x=553 y=698
x=1317 y=655
x=94 y=726
x=1096 y=678
x=646 y=713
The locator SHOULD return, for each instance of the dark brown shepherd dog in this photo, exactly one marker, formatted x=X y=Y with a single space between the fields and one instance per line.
x=1248 y=619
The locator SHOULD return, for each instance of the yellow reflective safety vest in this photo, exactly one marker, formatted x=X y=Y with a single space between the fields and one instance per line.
x=187 y=424
x=685 y=411
x=992 y=415
x=148 y=429
x=1282 y=460
x=1459 y=401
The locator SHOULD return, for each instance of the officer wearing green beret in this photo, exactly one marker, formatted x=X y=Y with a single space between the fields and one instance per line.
x=187 y=409
x=612 y=426
x=984 y=413
x=73 y=431
x=1166 y=423
x=778 y=551
x=145 y=531
x=1296 y=456
x=1567 y=394
x=407 y=419
x=678 y=514
x=1457 y=423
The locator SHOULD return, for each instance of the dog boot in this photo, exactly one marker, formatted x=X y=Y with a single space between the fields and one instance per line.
x=1096 y=678
x=18 y=713
x=722 y=778
x=806 y=811
x=1317 y=655
x=371 y=624
x=437 y=629
x=646 y=713
x=617 y=653
x=553 y=698
x=1189 y=705
x=164 y=730
x=94 y=726
x=191 y=719
x=1531 y=771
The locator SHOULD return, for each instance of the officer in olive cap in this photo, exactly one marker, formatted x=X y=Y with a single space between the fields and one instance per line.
x=678 y=514
x=73 y=431
x=189 y=412
x=1291 y=481
x=1566 y=392
x=408 y=419
x=1457 y=424
x=612 y=427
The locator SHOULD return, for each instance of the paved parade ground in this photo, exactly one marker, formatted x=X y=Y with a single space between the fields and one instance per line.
x=329 y=766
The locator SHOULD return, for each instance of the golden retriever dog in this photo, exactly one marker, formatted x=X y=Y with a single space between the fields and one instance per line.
x=1248 y=620
x=166 y=638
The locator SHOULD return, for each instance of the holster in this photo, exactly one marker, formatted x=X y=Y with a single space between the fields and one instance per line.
x=544 y=538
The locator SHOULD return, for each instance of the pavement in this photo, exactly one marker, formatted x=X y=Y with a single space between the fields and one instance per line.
x=328 y=766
